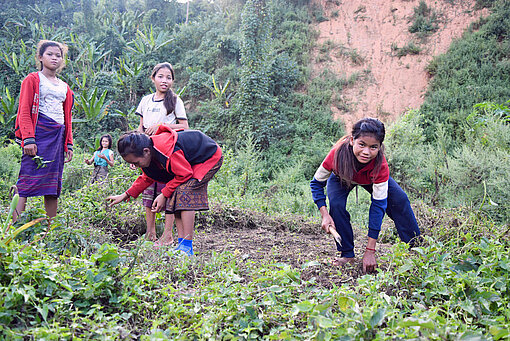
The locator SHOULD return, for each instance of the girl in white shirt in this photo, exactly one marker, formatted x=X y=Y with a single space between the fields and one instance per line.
x=161 y=107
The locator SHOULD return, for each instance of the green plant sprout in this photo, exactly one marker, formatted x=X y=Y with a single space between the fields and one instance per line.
x=40 y=162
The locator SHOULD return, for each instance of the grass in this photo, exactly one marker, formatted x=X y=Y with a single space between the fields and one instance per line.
x=411 y=48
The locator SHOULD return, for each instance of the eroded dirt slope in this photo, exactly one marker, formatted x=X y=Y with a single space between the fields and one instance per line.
x=360 y=35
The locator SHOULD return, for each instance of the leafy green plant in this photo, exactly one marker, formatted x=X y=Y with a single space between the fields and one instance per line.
x=219 y=91
x=9 y=107
x=94 y=107
x=147 y=42
x=410 y=48
x=19 y=62
x=425 y=20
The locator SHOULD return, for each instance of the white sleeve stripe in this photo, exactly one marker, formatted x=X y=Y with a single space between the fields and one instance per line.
x=322 y=174
x=380 y=191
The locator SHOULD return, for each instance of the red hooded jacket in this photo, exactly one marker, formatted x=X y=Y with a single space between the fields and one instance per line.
x=28 y=112
x=189 y=154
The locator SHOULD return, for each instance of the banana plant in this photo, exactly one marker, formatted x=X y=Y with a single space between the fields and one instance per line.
x=94 y=107
x=92 y=57
x=146 y=42
x=129 y=113
x=9 y=107
x=219 y=91
x=20 y=62
x=126 y=72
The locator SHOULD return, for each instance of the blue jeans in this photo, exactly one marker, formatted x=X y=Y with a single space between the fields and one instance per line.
x=399 y=210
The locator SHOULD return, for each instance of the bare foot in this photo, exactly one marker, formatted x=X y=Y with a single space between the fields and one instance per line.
x=341 y=261
x=164 y=242
x=151 y=236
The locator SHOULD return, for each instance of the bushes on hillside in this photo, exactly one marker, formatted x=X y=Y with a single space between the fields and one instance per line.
x=473 y=173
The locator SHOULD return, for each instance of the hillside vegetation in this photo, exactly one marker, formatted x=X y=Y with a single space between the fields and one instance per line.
x=261 y=269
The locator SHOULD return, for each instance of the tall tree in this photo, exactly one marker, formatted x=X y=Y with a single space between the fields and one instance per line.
x=256 y=105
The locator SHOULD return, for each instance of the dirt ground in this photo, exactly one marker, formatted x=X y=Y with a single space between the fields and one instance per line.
x=361 y=35
x=292 y=241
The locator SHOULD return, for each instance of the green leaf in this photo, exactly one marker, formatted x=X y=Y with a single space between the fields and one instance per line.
x=309 y=264
x=415 y=322
x=472 y=336
x=377 y=317
x=324 y=322
x=302 y=307
x=345 y=302
x=468 y=306
x=109 y=256
x=43 y=311
x=406 y=267
x=499 y=333
x=505 y=264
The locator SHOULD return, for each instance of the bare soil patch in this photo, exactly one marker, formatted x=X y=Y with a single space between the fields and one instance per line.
x=292 y=240
x=360 y=37
x=257 y=238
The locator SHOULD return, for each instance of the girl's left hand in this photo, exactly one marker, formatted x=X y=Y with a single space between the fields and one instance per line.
x=159 y=203
x=369 y=261
x=152 y=129
x=69 y=156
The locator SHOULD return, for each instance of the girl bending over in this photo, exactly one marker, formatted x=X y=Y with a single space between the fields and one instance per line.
x=358 y=159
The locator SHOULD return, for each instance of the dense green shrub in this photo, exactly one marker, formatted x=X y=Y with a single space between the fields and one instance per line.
x=10 y=159
x=472 y=173
x=425 y=20
x=475 y=69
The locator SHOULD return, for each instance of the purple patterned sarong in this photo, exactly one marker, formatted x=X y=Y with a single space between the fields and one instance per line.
x=33 y=182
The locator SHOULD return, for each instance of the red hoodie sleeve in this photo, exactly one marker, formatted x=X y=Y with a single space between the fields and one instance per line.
x=182 y=171
x=68 y=118
x=26 y=101
x=140 y=184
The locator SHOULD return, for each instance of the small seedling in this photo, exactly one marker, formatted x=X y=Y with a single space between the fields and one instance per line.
x=41 y=163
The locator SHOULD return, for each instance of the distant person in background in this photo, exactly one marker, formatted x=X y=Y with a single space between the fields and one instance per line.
x=358 y=159
x=102 y=158
x=184 y=161
x=43 y=128
x=161 y=107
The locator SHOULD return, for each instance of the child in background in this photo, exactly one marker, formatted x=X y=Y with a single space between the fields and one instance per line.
x=184 y=161
x=102 y=158
x=43 y=128
x=358 y=159
x=161 y=107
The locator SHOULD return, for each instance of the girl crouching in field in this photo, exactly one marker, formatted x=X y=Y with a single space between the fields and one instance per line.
x=358 y=159
x=184 y=161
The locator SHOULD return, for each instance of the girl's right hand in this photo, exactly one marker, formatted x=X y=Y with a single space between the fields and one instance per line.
x=132 y=167
x=327 y=221
x=30 y=150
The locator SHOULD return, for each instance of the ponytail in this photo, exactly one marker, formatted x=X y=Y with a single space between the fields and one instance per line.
x=169 y=101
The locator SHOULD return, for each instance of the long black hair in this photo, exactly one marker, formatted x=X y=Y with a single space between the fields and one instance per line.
x=345 y=161
x=110 y=141
x=170 y=97
x=133 y=142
